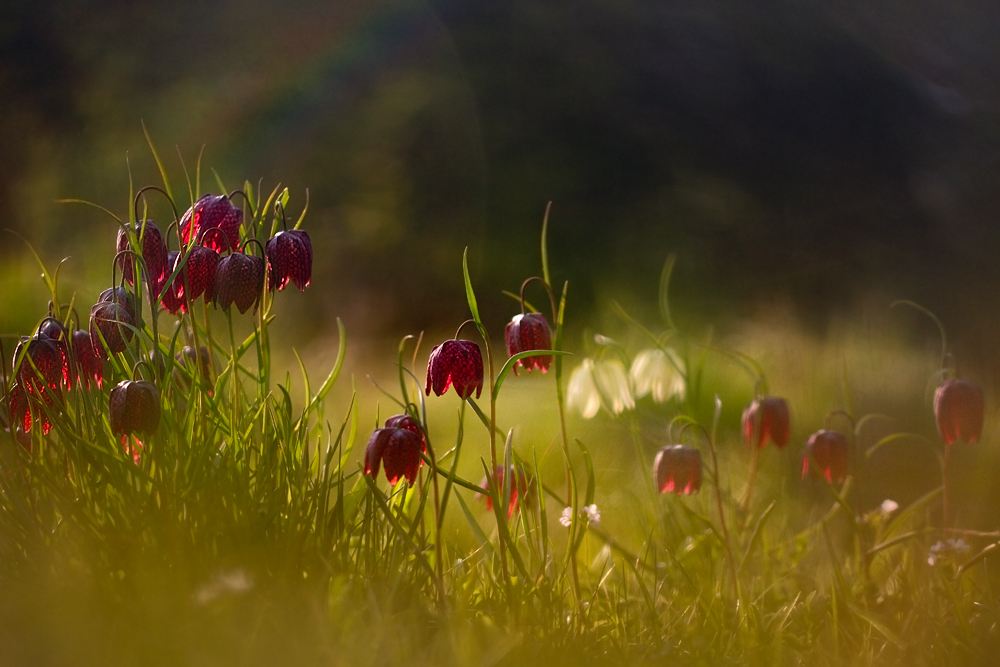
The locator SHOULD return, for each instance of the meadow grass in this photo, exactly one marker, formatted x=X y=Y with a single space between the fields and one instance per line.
x=247 y=532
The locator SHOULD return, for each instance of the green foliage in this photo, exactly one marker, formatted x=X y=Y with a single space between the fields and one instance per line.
x=243 y=531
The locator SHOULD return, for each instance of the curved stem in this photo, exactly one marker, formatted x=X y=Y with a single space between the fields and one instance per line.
x=548 y=289
x=259 y=245
x=458 y=332
x=934 y=318
x=142 y=190
x=245 y=199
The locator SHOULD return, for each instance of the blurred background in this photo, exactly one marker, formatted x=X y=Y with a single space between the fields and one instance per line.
x=815 y=157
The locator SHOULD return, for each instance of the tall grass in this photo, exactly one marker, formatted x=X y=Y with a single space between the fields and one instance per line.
x=247 y=532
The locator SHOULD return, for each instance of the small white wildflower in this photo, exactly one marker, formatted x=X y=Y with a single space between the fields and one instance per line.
x=945 y=549
x=888 y=507
x=659 y=372
x=593 y=515
x=567 y=517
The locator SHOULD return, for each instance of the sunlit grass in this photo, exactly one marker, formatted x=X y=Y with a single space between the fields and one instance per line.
x=248 y=533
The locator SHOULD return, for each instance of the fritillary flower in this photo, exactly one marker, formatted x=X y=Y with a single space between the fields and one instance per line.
x=766 y=418
x=529 y=332
x=457 y=362
x=958 y=410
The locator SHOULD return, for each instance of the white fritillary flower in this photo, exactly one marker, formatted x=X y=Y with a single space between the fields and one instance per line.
x=658 y=372
x=599 y=382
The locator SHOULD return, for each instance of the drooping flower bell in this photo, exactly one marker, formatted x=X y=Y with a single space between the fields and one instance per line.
x=196 y=277
x=831 y=452
x=55 y=331
x=398 y=445
x=134 y=407
x=87 y=365
x=457 y=362
x=597 y=382
x=44 y=365
x=153 y=251
x=958 y=410
x=212 y=212
x=289 y=257
x=529 y=332
x=189 y=360
x=120 y=296
x=239 y=279
x=521 y=488
x=19 y=409
x=660 y=372
x=111 y=322
x=677 y=469
x=170 y=300
x=766 y=418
